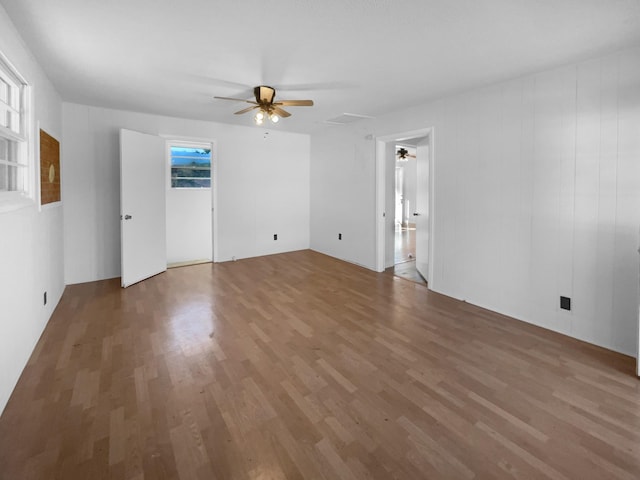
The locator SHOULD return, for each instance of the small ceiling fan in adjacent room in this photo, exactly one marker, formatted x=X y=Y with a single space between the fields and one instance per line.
x=403 y=154
x=266 y=106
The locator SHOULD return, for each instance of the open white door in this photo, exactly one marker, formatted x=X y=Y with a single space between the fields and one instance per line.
x=422 y=208
x=142 y=206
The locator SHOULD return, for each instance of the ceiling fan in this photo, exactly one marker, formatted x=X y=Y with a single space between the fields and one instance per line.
x=403 y=154
x=266 y=105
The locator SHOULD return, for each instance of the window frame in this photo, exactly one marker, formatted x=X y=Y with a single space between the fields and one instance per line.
x=195 y=145
x=21 y=136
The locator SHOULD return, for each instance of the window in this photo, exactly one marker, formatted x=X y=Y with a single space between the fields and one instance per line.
x=190 y=166
x=13 y=130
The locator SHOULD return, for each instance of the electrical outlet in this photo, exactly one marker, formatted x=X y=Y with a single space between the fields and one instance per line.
x=45 y=298
x=275 y=236
x=565 y=303
x=339 y=236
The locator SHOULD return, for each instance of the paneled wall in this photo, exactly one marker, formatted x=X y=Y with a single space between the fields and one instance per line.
x=31 y=253
x=261 y=184
x=537 y=195
x=343 y=194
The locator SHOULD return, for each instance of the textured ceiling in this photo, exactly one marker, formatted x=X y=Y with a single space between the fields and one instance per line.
x=362 y=57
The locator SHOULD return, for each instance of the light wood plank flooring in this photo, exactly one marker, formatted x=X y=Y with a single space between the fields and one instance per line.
x=302 y=366
x=404 y=244
x=404 y=255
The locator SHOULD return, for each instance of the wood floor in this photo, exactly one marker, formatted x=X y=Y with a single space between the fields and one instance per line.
x=302 y=366
x=405 y=255
x=404 y=244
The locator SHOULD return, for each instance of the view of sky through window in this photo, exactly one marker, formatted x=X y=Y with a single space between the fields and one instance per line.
x=190 y=167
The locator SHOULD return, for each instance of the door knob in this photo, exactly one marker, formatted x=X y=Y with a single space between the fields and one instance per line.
x=128 y=217
x=415 y=214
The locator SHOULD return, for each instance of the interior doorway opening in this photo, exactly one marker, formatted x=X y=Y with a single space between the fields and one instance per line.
x=189 y=199
x=404 y=204
x=404 y=240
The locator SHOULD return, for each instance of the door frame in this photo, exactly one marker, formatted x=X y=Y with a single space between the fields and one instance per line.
x=381 y=195
x=214 y=182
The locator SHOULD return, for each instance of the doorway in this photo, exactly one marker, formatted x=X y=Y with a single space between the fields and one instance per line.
x=189 y=202
x=159 y=210
x=410 y=232
x=404 y=240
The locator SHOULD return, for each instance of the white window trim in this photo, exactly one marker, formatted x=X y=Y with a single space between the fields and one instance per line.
x=15 y=200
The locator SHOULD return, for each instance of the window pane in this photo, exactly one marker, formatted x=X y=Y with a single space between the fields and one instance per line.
x=4 y=91
x=190 y=183
x=191 y=172
x=13 y=153
x=190 y=167
x=9 y=105
x=183 y=156
x=5 y=117
x=8 y=178
x=8 y=150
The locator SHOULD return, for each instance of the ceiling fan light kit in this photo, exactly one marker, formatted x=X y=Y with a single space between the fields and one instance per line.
x=266 y=106
x=259 y=118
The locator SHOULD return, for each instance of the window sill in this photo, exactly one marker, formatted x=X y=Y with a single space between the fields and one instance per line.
x=11 y=201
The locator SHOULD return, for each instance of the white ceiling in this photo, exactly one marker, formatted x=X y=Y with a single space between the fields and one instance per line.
x=363 y=57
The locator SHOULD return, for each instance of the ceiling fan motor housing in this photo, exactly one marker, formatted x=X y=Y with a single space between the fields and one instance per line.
x=264 y=94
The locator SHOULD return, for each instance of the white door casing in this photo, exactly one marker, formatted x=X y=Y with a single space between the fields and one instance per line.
x=142 y=206
x=384 y=151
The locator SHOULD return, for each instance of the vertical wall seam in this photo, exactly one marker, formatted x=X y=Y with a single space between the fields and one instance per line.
x=615 y=214
x=575 y=183
x=534 y=94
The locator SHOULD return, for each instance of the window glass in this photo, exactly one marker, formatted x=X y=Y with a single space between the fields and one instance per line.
x=13 y=133
x=190 y=167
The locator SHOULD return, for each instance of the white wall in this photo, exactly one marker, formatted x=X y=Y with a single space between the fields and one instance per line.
x=261 y=182
x=343 y=194
x=537 y=195
x=189 y=225
x=31 y=250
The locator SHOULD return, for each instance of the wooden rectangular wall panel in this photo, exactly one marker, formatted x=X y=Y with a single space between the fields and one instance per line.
x=49 y=169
